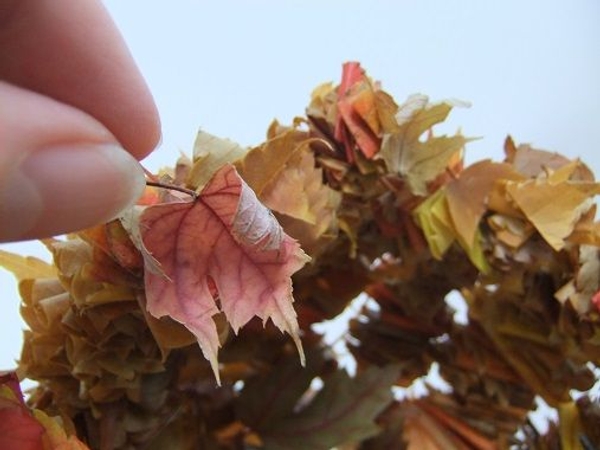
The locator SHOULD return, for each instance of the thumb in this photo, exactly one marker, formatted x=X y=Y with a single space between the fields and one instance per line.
x=60 y=169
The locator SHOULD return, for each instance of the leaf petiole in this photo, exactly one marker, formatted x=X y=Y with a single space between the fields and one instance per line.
x=172 y=187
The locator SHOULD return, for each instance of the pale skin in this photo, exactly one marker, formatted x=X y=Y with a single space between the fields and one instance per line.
x=75 y=117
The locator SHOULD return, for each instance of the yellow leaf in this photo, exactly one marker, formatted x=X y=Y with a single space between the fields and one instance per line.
x=434 y=218
x=55 y=437
x=322 y=103
x=553 y=209
x=264 y=163
x=210 y=154
x=476 y=254
x=386 y=109
x=586 y=230
x=433 y=215
x=26 y=267
x=290 y=191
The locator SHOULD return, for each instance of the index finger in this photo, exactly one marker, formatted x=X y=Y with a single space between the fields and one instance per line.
x=71 y=51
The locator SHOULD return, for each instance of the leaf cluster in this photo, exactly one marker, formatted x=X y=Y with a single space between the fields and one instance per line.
x=162 y=329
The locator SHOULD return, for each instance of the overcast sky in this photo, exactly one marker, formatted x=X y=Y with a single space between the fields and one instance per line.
x=529 y=68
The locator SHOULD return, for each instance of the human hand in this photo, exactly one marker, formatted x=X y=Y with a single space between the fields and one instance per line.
x=75 y=114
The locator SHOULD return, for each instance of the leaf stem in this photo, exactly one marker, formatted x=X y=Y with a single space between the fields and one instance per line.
x=172 y=187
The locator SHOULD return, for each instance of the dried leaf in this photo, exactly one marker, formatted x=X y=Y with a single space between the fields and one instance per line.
x=307 y=208
x=26 y=267
x=529 y=161
x=553 y=205
x=283 y=174
x=55 y=437
x=420 y=162
x=210 y=154
x=582 y=288
x=468 y=194
x=436 y=221
x=358 y=110
x=129 y=220
x=343 y=411
x=228 y=240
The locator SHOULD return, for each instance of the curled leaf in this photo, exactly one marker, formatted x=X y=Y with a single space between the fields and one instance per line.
x=554 y=204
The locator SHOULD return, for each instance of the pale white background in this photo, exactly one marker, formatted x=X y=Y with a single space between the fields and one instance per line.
x=529 y=68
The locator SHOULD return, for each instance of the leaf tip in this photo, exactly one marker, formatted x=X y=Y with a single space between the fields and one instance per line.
x=301 y=354
x=214 y=365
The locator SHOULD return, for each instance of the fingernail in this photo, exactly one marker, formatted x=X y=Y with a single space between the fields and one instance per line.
x=65 y=188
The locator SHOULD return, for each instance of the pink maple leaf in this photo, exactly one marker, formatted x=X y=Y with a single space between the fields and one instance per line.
x=225 y=239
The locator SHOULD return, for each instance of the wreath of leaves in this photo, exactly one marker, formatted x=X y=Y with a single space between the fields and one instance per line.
x=386 y=211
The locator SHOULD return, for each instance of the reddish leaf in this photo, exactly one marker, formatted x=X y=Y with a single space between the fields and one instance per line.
x=364 y=135
x=226 y=237
x=18 y=429
x=352 y=73
x=23 y=429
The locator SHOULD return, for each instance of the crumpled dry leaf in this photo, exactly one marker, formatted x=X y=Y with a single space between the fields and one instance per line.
x=532 y=162
x=26 y=267
x=420 y=161
x=364 y=113
x=547 y=357
x=586 y=282
x=553 y=203
x=225 y=243
x=433 y=216
x=437 y=222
